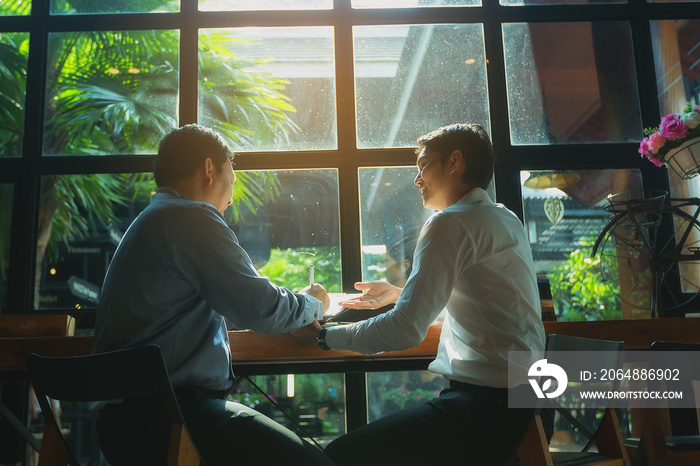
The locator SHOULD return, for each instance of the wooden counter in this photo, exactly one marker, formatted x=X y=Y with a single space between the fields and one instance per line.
x=250 y=348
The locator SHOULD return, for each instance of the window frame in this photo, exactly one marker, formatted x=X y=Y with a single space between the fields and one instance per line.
x=25 y=172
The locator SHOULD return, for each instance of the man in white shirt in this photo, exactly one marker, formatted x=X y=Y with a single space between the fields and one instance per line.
x=472 y=259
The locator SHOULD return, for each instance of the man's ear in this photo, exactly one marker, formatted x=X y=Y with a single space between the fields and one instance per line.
x=208 y=168
x=455 y=161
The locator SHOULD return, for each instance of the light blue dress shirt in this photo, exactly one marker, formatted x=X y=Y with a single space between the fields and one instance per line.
x=474 y=260
x=176 y=276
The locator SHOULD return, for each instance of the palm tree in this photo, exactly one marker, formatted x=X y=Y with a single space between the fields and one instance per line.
x=100 y=100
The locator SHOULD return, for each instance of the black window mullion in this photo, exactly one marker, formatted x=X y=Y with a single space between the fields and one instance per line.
x=507 y=171
x=348 y=181
x=25 y=210
x=189 y=65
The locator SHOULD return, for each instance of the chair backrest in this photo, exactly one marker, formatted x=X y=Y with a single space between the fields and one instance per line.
x=534 y=450
x=610 y=355
x=129 y=373
x=684 y=421
x=569 y=343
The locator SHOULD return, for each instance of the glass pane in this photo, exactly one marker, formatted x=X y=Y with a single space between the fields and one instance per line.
x=286 y=220
x=110 y=92
x=15 y=7
x=391 y=392
x=14 y=49
x=269 y=89
x=410 y=80
x=294 y=228
x=5 y=229
x=62 y=7
x=566 y=84
x=392 y=215
x=237 y=5
x=411 y=3
x=564 y=214
x=82 y=220
x=314 y=402
x=676 y=59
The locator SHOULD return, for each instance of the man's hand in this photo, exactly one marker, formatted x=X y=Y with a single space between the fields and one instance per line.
x=378 y=294
x=308 y=333
x=320 y=293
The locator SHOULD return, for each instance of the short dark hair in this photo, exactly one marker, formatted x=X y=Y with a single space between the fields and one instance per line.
x=472 y=141
x=183 y=150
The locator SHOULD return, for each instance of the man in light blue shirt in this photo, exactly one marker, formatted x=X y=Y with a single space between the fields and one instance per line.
x=473 y=260
x=177 y=276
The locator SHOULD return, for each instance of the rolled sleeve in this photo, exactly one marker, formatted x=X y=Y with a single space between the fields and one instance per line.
x=313 y=309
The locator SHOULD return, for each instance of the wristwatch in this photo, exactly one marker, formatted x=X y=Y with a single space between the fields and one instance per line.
x=321 y=340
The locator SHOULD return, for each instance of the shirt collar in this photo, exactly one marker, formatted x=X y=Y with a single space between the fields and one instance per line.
x=475 y=196
x=170 y=192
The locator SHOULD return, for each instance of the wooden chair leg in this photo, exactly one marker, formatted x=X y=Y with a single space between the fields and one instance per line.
x=54 y=451
x=609 y=439
x=181 y=451
x=533 y=449
x=653 y=439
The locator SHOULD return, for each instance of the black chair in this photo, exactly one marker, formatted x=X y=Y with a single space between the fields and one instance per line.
x=130 y=373
x=655 y=447
x=607 y=437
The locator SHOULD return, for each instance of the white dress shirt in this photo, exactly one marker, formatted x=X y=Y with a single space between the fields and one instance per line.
x=474 y=260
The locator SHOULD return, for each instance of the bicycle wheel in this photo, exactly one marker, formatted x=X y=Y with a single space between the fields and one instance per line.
x=648 y=272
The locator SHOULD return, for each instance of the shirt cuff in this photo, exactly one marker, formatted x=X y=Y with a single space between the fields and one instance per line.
x=314 y=307
x=339 y=337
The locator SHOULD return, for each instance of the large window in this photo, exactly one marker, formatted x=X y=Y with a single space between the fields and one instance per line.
x=323 y=101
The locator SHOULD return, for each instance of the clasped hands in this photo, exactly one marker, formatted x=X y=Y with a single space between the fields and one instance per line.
x=377 y=294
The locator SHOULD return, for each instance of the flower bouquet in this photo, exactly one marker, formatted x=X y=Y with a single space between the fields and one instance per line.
x=677 y=136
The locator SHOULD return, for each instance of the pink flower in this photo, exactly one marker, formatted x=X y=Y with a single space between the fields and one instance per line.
x=696 y=108
x=667 y=120
x=656 y=142
x=655 y=161
x=644 y=146
x=675 y=129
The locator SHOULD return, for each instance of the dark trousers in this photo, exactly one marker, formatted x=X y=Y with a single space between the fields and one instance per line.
x=135 y=433
x=465 y=425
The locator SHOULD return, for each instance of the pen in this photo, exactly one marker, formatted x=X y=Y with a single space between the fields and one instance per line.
x=311 y=275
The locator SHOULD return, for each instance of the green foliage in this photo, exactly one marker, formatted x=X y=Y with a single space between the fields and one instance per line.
x=110 y=92
x=13 y=81
x=290 y=268
x=239 y=100
x=114 y=6
x=16 y=7
x=115 y=92
x=578 y=292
